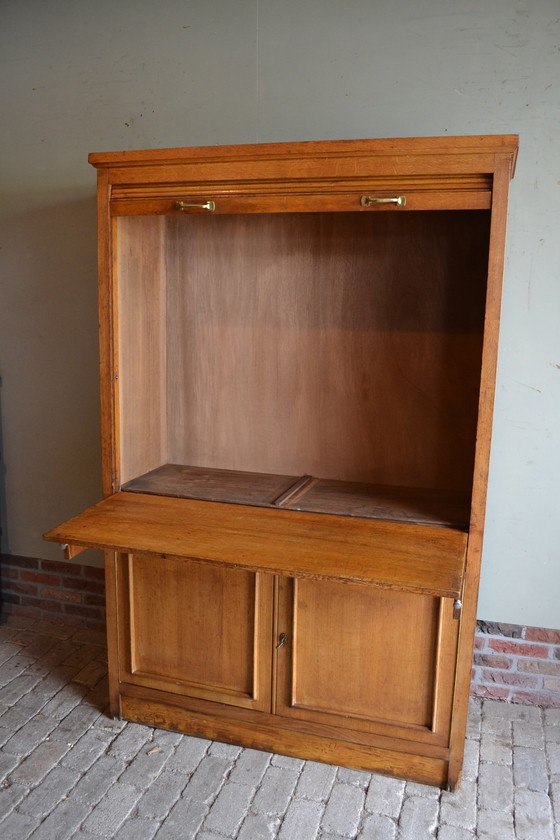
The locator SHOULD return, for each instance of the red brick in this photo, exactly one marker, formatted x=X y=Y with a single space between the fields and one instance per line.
x=539 y=634
x=41 y=577
x=22 y=562
x=42 y=604
x=479 y=644
x=492 y=661
x=94 y=572
x=22 y=588
x=61 y=568
x=88 y=612
x=9 y=598
x=519 y=648
x=84 y=585
x=551 y=684
x=493 y=692
x=536 y=698
x=97 y=600
x=9 y=574
x=506 y=678
x=61 y=595
x=539 y=666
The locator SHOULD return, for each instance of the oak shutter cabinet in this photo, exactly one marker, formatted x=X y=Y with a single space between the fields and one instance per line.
x=298 y=353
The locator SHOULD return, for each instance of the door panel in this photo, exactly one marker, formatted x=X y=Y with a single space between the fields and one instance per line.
x=367 y=659
x=197 y=629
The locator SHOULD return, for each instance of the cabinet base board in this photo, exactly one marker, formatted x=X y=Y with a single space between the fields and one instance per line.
x=423 y=769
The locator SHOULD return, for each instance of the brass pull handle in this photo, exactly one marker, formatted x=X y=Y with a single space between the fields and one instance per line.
x=182 y=205
x=368 y=200
x=282 y=640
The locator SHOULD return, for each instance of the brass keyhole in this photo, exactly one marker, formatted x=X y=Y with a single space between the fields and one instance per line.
x=282 y=640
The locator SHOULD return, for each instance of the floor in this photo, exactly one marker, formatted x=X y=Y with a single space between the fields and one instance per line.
x=69 y=771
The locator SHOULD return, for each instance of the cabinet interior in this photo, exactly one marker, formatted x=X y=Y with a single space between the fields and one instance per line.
x=325 y=362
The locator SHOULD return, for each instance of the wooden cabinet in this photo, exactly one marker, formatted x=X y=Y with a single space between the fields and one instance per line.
x=298 y=350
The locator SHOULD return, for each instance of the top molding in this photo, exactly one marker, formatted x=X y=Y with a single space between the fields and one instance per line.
x=477 y=153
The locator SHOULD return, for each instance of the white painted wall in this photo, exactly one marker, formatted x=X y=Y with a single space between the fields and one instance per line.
x=80 y=76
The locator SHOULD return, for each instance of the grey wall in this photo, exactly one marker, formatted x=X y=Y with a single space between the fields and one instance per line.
x=79 y=76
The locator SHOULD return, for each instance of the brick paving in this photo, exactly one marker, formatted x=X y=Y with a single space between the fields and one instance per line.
x=69 y=771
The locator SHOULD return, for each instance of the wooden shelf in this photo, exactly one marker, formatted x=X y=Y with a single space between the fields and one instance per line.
x=307 y=493
x=414 y=558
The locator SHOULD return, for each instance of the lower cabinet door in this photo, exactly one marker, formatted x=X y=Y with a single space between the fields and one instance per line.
x=361 y=658
x=195 y=628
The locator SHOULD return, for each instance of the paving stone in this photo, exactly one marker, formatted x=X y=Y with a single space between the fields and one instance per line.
x=344 y=808
x=316 y=781
x=288 y=762
x=533 y=816
x=353 y=777
x=146 y=765
x=110 y=813
x=184 y=821
x=188 y=754
x=75 y=724
x=277 y=786
x=17 y=688
x=49 y=793
x=378 y=827
x=495 y=750
x=529 y=769
x=528 y=734
x=18 y=826
x=85 y=751
x=30 y=735
x=474 y=718
x=61 y=824
x=471 y=759
x=459 y=808
x=416 y=789
x=63 y=702
x=418 y=818
x=10 y=796
x=162 y=795
x=551 y=734
x=250 y=767
x=552 y=717
x=99 y=778
x=301 y=821
x=257 y=827
x=207 y=779
x=553 y=757
x=137 y=829
x=495 y=825
x=453 y=832
x=224 y=750
x=130 y=741
x=33 y=768
x=229 y=809
x=7 y=763
x=495 y=787
x=385 y=795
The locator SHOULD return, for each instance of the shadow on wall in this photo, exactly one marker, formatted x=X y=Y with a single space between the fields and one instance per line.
x=50 y=401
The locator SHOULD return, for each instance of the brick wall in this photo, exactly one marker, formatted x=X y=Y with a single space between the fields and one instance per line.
x=46 y=588
x=518 y=664
x=513 y=663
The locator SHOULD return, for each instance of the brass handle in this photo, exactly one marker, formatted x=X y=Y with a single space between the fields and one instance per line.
x=282 y=640
x=182 y=205
x=368 y=200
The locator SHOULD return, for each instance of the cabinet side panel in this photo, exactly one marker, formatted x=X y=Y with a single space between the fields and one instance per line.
x=142 y=351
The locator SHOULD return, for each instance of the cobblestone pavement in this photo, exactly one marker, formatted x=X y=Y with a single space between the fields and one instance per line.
x=69 y=771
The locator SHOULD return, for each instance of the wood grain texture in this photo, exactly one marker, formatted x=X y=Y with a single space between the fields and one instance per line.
x=197 y=629
x=289 y=351
x=270 y=736
x=417 y=558
x=141 y=373
x=342 y=665
x=307 y=493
